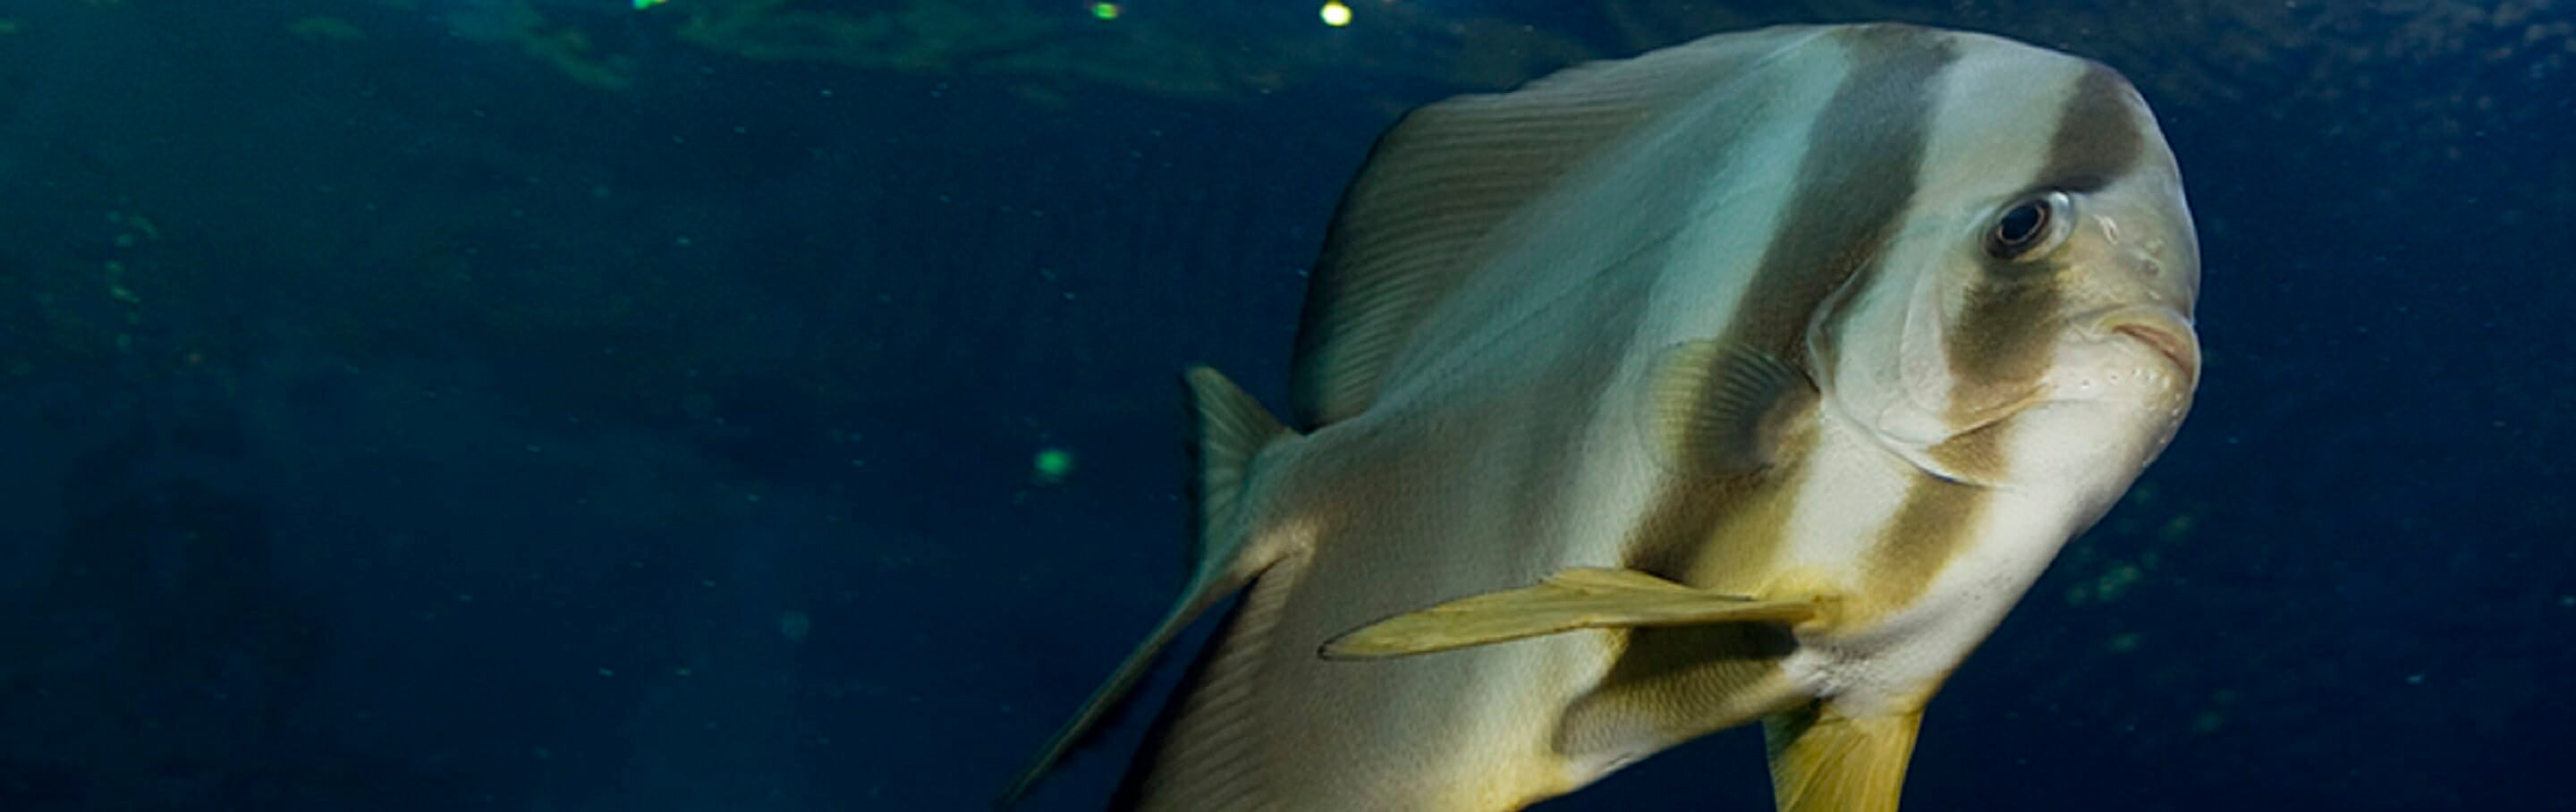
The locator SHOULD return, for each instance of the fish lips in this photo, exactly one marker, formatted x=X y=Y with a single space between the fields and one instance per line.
x=2162 y=329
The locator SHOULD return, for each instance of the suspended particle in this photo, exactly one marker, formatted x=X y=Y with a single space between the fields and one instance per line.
x=1335 y=14
x=1052 y=466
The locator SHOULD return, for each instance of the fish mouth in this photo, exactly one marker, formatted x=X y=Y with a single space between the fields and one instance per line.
x=2161 y=329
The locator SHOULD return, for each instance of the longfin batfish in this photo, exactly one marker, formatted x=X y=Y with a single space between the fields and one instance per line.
x=1750 y=380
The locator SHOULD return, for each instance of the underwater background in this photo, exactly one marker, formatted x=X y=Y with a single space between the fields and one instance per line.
x=564 y=405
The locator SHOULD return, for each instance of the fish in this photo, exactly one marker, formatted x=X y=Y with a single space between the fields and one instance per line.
x=1751 y=380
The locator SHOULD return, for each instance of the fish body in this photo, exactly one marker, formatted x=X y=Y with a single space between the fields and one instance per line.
x=1753 y=379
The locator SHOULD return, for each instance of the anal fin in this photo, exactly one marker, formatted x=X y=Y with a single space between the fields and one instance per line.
x=1581 y=598
x=1205 y=752
x=1229 y=430
x=1823 y=761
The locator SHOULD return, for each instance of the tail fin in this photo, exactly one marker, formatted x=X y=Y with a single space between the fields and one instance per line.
x=1228 y=430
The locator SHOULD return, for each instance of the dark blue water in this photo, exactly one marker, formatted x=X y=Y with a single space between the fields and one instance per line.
x=544 y=405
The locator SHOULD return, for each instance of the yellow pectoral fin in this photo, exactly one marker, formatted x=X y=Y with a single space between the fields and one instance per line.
x=1822 y=761
x=1583 y=598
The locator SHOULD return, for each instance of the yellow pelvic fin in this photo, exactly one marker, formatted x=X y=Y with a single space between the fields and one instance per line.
x=1582 y=598
x=1822 y=761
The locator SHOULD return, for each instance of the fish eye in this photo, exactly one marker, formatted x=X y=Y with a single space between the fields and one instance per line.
x=2024 y=227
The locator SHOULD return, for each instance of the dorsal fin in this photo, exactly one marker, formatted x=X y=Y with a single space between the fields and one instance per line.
x=1412 y=225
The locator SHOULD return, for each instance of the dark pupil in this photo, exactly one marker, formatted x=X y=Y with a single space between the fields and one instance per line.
x=2021 y=224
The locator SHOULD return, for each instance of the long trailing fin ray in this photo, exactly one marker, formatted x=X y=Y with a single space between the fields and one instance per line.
x=1105 y=703
x=1205 y=753
x=1228 y=430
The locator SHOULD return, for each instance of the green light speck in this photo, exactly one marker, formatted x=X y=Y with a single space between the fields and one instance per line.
x=1053 y=465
